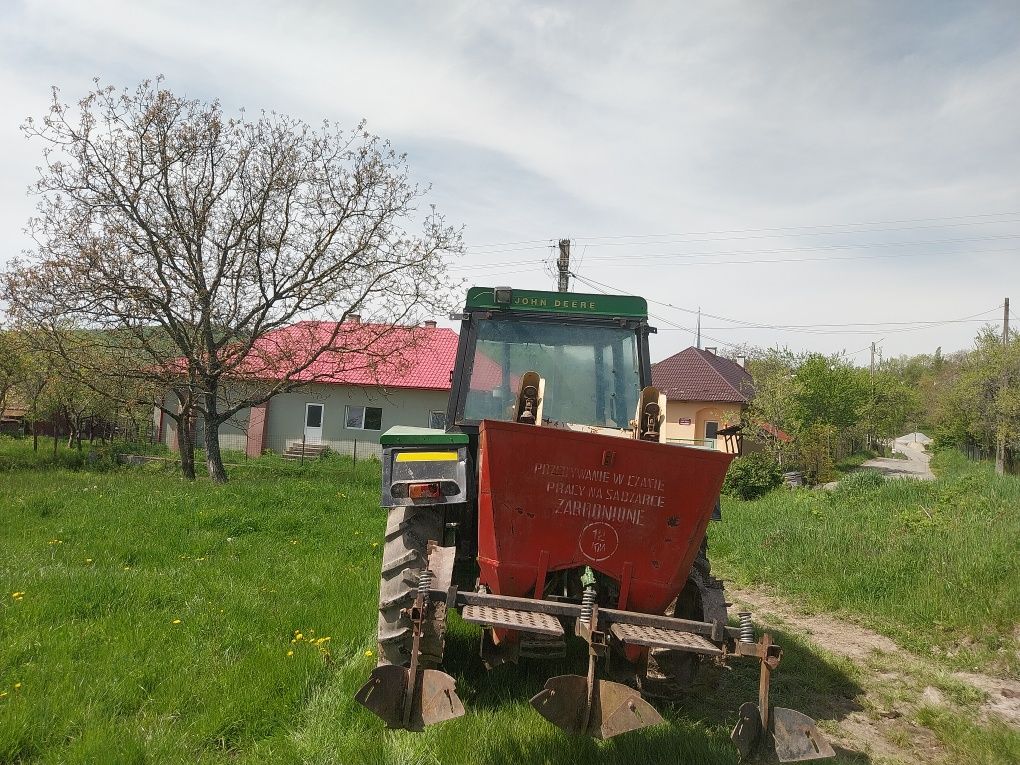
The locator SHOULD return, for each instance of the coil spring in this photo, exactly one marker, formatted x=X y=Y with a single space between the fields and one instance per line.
x=587 y=602
x=746 y=628
x=424 y=583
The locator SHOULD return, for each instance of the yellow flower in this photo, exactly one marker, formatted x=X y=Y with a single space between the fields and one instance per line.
x=88 y=560
x=290 y=652
x=176 y=621
x=3 y=694
x=375 y=544
x=17 y=685
x=369 y=653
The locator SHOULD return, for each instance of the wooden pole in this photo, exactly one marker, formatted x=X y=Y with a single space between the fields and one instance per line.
x=1000 y=440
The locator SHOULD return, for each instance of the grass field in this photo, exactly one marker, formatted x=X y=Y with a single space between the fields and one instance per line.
x=155 y=620
x=145 y=619
x=932 y=564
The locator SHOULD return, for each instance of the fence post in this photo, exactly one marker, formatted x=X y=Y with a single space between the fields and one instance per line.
x=355 y=451
x=302 y=448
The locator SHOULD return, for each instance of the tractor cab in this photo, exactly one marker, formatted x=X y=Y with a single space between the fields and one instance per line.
x=591 y=350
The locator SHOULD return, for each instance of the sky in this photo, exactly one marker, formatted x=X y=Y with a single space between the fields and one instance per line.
x=813 y=175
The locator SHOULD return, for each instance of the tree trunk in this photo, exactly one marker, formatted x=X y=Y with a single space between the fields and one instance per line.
x=213 y=458
x=35 y=436
x=55 y=439
x=186 y=447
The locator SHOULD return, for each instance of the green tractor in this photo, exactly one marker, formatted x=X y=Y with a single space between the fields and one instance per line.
x=551 y=509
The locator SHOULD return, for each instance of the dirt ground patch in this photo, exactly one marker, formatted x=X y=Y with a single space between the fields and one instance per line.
x=896 y=683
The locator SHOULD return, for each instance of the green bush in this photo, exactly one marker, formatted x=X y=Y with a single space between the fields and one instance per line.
x=860 y=482
x=752 y=476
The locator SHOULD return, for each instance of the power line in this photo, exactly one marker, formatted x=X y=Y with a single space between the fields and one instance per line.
x=813 y=328
x=629 y=262
x=816 y=248
x=962 y=218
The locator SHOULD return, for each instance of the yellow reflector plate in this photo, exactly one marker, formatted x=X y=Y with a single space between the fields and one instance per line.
x=426 y=456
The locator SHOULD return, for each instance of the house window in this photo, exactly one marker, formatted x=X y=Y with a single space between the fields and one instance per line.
x=437 y=419
x=711 y=430
x=363 y=418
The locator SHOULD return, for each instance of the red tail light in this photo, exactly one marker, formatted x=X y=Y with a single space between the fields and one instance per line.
x=424 y=491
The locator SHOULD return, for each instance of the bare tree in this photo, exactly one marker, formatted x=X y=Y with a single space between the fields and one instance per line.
x=185 y=240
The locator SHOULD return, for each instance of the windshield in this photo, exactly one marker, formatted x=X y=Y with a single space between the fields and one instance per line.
x=592 y=373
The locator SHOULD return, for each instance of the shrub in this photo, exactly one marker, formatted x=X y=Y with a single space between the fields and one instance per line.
x=860 y=482
x=752 y=476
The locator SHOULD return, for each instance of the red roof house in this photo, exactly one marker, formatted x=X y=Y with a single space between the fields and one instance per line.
x=380 y=375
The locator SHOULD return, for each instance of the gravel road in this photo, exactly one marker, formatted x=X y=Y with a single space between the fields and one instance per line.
x=914 y=466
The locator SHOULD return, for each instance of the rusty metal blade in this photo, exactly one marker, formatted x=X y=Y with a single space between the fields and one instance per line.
x=797 y=737
x=617 y=709
x=436 y=700
x=746 y=734
x=383 y=694
x=562 y=702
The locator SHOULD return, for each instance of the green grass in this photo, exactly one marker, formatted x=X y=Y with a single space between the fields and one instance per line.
x=932 y=564
x=157 y=618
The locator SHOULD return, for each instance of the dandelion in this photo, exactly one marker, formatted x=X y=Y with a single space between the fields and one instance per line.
x=56 y=542
x=17 y=686
x=290 y=652
x=375 y=544
x=88 y=560
x=17 y=596
x=293 y=541
x=369 y=653
x=176 y=621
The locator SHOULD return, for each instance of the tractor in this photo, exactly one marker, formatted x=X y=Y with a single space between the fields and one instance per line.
x=551 y=508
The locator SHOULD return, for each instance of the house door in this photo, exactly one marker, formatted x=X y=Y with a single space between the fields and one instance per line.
x=313 y=423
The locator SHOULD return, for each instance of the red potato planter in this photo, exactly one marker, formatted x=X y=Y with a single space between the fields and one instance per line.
x=550 y=509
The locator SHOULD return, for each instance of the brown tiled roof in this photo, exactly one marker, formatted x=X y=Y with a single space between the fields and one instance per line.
x=698 y=375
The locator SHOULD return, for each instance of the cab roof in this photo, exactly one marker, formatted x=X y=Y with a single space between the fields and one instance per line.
x=573 y=303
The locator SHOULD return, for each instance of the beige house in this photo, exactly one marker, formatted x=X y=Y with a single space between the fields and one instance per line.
x=706 y=395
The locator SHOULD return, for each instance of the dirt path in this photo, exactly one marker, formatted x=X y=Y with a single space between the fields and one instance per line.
x=914 y=466
x=896 y=685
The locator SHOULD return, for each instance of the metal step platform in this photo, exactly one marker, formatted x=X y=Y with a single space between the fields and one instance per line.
x=657 y=637
x=509 y=618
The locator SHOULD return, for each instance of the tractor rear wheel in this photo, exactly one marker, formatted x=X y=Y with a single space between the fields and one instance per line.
x=671 y=674
x=405 y=553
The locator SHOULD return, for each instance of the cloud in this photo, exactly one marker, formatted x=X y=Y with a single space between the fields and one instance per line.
x=539 y=120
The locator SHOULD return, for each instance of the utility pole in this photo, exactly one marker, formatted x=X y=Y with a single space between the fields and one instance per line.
x=1000 y=440
x=873 y=362
x=699 y=327
x=563 y=265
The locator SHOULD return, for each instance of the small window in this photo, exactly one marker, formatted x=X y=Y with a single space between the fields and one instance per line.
x=437 y=419
x=711 y=430
x=363 y=418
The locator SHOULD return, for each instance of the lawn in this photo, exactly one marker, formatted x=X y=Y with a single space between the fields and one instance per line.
x=932 y=564
x=146 y=619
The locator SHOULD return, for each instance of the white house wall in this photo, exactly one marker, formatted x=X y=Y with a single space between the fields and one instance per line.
x=286 y=419
x=399 y=407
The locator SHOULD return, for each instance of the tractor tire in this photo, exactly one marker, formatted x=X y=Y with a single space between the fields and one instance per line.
x=671 y=675
x=408 y=531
